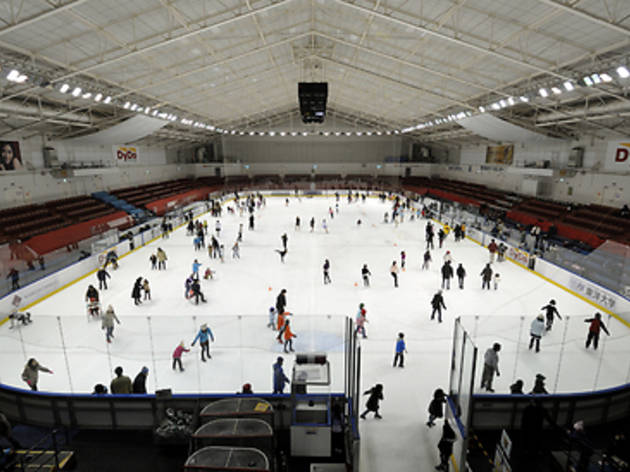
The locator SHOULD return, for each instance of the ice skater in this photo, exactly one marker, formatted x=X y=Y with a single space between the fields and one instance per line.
x=217 y=228
x=376 y=395
x=447 y=275
x=136 y=292
x=426 y=260
x=594 y=329
x=361 y=320
x=107 y=323
x=282 y=254
x=486 y=277
x=161 y=256
x=365 y=275
x=236 y=250
x=461 y=274
x=496 y=280
x=204 y=336
x=403 y=259
x=490 y=367
x=325 y=225
x=281 y=301
x=102 y=275
x=312 y=224
x=195 y=288
x=177 y=356
x=284 y=239
x=22 y=319
x=393 y=270
x=297 y=223
x=195 y=269
x=146 y=289
x=401 y=349
x=539 y=386
x=272 y=318
x=550 y=312
x=327 y=272
x=437 y=303
x=536 y=331
x=288 y=336
x=153 y=259
x=492 y=250
x=31 y=371
x=436 y=407
x=445 y=446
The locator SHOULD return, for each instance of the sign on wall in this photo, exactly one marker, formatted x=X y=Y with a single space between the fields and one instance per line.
x=500 y=154
x=125 y=154
x=618 y=156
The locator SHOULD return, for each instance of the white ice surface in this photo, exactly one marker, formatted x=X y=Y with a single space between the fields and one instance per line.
x=245 y=349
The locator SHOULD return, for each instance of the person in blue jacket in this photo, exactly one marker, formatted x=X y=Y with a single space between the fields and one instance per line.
x=279 y=379
x=204 y=336
x=401 y=348
x=195 y=268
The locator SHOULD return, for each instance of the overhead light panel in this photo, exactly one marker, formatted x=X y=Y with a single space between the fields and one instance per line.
x=98 y=97
x=15 y=76
x=64 y=88
x=482 y=109
x=606 y=77
x=134 y=107
x=86 y=95
x=588 y=81
x=556 y=90
x=495 y=106
x=568 y=86
x=596 y=79
x=543 y=92
x=623 y=72
x=76 y=92
x=524 y=99
x=108 y=99
x=126 y=105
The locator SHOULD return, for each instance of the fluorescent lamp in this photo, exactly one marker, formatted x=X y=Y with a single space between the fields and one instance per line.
x=568 y=86
x=108 y=99
x=76 y=92
x=64 y=88
x=596 y=78
x=482 y=109
x=155 y=112
x=623 y=72
x=134 y=107
x=98 y=97
x=588 y=81
x=556 y=90
x=283 y=133
x=496 y=106
x=606 y=77
x=543 y=92
x=511 y=100
x=86 y=95
x=524 y=99
x=126 y=105
x=15 y=76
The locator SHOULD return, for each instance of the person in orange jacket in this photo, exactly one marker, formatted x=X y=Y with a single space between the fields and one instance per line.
x=288 y=337
x=282 y=318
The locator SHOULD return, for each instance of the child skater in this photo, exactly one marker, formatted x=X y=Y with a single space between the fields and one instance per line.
x=376 y=395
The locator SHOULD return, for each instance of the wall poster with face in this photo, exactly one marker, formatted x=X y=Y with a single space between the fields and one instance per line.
x=10 y=157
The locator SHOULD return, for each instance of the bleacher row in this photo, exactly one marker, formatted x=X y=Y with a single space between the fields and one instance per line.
x=24 y=222
x=591 y=224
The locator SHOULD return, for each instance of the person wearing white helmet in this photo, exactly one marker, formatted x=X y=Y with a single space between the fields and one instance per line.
x=536 y=331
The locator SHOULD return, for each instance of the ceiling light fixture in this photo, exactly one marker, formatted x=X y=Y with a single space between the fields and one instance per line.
x=596 y=79
x=543 y=92
x=15 y=76
x=605 y=77
x=568 y=86
x=623 y=72
x=98 y=97
x=556 y=90
x=86 y=95
x=76 y=92
x=64 y=88
x=108 y=99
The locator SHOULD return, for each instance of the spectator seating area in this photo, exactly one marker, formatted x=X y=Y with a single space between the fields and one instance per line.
x=26 y=221
x=141 y=195
x=590 y=224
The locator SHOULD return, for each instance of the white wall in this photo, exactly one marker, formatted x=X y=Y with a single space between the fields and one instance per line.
x=314 y=149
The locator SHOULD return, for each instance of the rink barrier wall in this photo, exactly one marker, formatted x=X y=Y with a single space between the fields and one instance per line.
x=496 y=411
x=119 y=412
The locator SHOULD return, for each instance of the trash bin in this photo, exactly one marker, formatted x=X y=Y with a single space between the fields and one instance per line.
x=227 y=459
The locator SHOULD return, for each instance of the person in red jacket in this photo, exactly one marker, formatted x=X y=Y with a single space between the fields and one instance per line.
x=288 y=337
x=596 y=325
x=492 y=249
x=177 y=355
x=282 y=319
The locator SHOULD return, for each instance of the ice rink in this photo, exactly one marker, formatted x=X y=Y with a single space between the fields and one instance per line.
x=244 y=349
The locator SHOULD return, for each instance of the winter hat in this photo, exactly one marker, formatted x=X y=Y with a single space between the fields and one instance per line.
x=540 y=377
x=401 y=335
x=280 y=359
x=361 y=305
x=204 y=327
x=145 y=370
x=271 y=308
x=540 y=317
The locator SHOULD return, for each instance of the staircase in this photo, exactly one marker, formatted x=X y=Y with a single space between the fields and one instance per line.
x=138 y=213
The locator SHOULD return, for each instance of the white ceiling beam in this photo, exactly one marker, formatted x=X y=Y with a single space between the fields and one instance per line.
x=40 y=16
x=170 y=41
x=459 y=42
x=570 y=8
